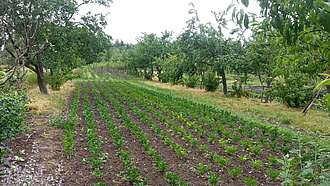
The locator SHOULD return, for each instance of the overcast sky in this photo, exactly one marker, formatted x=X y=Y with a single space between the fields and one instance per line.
x=128 y=19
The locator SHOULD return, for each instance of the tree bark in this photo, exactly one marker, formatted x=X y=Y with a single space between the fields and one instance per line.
x=268 y=86
x=224 y=81
x=41 y=76
x=159 y=71
x=262 y=83
x=152 y=72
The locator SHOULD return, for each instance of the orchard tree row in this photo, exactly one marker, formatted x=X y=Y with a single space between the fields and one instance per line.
x=287 y=51
x=39 y=35
x=36 y=36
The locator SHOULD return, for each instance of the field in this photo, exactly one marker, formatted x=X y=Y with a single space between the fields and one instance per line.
x=117 y=133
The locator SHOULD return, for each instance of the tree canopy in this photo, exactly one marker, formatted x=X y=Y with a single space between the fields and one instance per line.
x=32 y=31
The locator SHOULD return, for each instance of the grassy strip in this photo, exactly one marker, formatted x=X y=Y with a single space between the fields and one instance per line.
x=54 y=100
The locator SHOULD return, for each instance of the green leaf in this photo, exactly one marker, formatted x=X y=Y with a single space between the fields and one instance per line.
x=324 y=150
x=324 y=74
x=322 y=84
x=229 y=7
x=246 y=21
x=245 y=2
x=234 y=13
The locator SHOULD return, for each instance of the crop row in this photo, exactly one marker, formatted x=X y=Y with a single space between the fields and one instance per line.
x=215 y=144
x=296 y=158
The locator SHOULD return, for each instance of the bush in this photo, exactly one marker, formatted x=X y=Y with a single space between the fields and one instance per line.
x=163 y=77
x=211 y=82
x=292 y=92
x=191 y=81
x=238 y=90
x=12 y=113
x=58 y=79
x=31 y=79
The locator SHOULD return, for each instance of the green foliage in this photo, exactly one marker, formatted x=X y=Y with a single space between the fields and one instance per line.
x=260 y=59
x=324 y=83
x=236 y=172
x=31 y=79
x=249 y=181
x=12 y=113
x=191 y=80
x=213 y=179
x=210 y=81
x=273 y=174
x=238 y=90
x=294 y=92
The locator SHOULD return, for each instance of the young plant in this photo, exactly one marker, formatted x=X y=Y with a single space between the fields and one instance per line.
x=251 y=133
x=202 y=169
x=173 y=179
x=203 y=148
x=223 y=142
x=273 y=174
x=243 y=158
x=212 y=137
x=220 y=129
x=187 y=137
x=262 y=139
x=181 y=151
x=256 y=164
x=194 y=141
x=285 y=149
x=249 y=181
x=230 y=149
x=202 y=132
x=246 y=143
x=272 y=160
x=227 y=133
x=236 y=172
x=222 y=160
x=256 y=149
x=190 y=124
x=273 y=144
x=213 y=179
x=212 y=155
x=168 y=141
x=162 y=166
x=236 y=137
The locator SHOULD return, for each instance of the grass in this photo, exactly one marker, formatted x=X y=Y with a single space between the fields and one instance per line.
x=274 y=112
x=55 y=100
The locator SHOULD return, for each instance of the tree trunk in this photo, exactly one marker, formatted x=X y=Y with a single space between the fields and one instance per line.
x=262 y=83
x=159 y=71
x=224 y=81
x=268 y=86
x=41 y=76
x=152 y=72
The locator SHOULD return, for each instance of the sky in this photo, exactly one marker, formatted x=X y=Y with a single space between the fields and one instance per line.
x=128 y=19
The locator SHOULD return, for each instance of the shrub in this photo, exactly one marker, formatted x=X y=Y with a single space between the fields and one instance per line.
x=31 y=79
x=292 y=92
x=238 y=90
x=211 y=82
x=191 y=81
x=164 y=77
x=12 y=112
x=58 y=78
